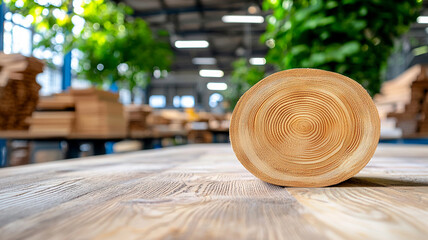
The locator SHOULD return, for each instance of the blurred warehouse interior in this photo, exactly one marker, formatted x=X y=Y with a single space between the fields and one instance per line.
x=183 y=86
x=185 y=102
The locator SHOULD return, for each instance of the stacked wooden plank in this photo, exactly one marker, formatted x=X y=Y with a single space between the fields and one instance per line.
x=98 y=113
x=59 y=123
x=57 y=102
x=396 y=93
x=200 y=136
x=54 y=116
x=199 y=128
x=166 y=120
x=136 y=116
x=177 y=119
x=219 y=122
x=19 y=91
x=163 y=123
x=413 y=118
x=80 y=113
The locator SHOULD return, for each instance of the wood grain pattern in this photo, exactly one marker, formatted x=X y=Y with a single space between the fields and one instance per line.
x=203 y=192
x=305 y=128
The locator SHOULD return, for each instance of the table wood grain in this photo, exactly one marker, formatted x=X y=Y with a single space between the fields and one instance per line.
x=203 y=192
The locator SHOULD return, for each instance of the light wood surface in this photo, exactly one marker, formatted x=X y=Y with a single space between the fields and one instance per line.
x=203 y=192
x=305 y=128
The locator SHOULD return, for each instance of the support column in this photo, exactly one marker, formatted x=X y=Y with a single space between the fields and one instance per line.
x=2 y=10
x=66 y=72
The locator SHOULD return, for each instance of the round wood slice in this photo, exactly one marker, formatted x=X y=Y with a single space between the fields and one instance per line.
x=305 y=128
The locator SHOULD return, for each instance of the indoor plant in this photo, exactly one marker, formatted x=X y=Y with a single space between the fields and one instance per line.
x=352 y=37
x=114 y=46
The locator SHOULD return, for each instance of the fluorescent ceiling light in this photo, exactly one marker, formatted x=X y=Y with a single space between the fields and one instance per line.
x=242 y=19
x=257 y=61
x=191 y=44
x=422 y=19
x=204 y=61
x=216 y=86
x=211 y=73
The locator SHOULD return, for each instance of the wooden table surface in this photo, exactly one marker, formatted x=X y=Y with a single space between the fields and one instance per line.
x=203 y=192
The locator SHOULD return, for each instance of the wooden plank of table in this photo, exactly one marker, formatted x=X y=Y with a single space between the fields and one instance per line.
x=203 y=192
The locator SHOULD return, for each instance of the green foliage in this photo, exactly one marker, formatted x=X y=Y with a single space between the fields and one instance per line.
x=115 y=47
x=48 y=20
x=351 y=37
x=126 y=49
x=242 y=78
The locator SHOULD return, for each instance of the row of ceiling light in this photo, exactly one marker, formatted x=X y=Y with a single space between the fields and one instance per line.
x=225 y=19
x=205 y=44
x=219 y=86
x=422 y=19
x=212 y=61
x=220 y=73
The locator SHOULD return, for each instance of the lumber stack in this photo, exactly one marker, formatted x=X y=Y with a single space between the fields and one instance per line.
x=136 y=115
x=177 y=119
x=54 y=115
x=220 y=122
x=305 y=128
x=98 y=113
x=167 y=120
x=396 y=93
x=413 y=118
x=19 y=91
x=56 y=102
x=198 y=128
x=80 y=113
x=162 y=123
x=58 y=123
x=204 y=123
x=199 y=136
x=157 y=118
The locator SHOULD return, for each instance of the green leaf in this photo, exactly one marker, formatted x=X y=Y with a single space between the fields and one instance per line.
x=353 y=37
x=110 y=37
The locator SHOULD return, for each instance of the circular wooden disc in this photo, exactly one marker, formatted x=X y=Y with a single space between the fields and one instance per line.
x=305 y=128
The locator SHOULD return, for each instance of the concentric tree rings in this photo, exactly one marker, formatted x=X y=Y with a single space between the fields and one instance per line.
x=305 y=128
